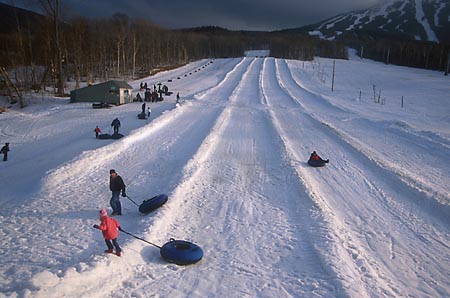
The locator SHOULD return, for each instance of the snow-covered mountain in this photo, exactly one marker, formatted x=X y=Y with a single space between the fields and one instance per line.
x=427 y=20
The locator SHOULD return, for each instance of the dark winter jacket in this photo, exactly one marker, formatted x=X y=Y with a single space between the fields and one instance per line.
x=116 y=184
x=116 y=123
x=5 y=149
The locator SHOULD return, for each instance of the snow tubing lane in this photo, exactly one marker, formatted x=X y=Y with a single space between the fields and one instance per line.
x=316 y=163
x=149 y=205
x=181 y=252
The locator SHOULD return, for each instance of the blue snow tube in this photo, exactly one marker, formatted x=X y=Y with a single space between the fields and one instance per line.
x=316 y=163
x=149 y=205
x=181 y=252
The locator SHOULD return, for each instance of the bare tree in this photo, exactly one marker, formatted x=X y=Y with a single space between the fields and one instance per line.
x=120 y=24
x=77 y=37
x=10 y=85
x=52 y=8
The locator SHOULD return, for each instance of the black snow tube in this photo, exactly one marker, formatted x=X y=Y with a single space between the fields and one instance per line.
x=141 y=115
x=181 y=252
x=100 y=105
x=154 y=203
x=316 y=163
x=104 y=136
x=116 y=136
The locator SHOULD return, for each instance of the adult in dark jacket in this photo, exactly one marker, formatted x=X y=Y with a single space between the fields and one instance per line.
x=116 y=124
x=5 y=150
x=116 y=185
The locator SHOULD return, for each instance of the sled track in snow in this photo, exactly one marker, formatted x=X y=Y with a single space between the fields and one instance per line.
x=161 y=167
x=241 y=161
x=156 y=158
x=426 y=151
x=395 y=199
x=232 y=193
x=435 y=187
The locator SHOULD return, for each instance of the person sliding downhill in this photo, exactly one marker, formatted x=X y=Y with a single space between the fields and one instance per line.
x=314 y=156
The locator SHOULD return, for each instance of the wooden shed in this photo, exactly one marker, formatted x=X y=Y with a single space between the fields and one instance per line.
x=112 y=92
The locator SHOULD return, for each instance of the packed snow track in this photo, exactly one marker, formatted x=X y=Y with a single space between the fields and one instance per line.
x=232 y=159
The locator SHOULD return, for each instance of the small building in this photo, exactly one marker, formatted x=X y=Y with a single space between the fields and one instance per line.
x=112 y=92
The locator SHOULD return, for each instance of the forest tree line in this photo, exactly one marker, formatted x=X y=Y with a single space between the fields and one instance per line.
x=42 y=52
x=48 y=52
x=392 y=49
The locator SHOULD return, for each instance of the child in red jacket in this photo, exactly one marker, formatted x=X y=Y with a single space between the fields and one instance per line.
x=97 y=131
x=109 y=227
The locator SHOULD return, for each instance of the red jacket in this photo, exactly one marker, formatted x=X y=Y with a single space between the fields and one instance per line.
x=109 y=227
x=315 y=157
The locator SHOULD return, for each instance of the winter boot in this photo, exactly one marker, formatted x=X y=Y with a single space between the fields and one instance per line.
x=118 y=253
x=109 y=251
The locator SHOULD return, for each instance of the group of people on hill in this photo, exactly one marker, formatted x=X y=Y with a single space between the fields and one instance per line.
x=110 y=226
x=144 y=87
x=148 y=96
x=155 y=94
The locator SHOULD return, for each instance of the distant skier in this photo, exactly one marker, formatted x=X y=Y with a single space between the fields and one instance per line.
x=178 y=97
x=116 y=124
x=109 y=227
x=97 y=131
x=5 y=150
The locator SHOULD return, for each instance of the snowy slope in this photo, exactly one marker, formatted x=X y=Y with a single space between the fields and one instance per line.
x=414 y=19
x=232 y=158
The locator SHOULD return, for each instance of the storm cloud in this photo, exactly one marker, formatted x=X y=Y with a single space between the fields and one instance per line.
x=261 y=15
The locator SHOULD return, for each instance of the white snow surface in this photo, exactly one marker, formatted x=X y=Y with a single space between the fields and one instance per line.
x=374 y=222
x=420 y=16
x=383 y=9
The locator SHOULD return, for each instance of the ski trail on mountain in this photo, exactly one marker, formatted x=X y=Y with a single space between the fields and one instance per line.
x=386 y=202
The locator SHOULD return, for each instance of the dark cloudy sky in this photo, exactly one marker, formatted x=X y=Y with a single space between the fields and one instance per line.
x=263 y=15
